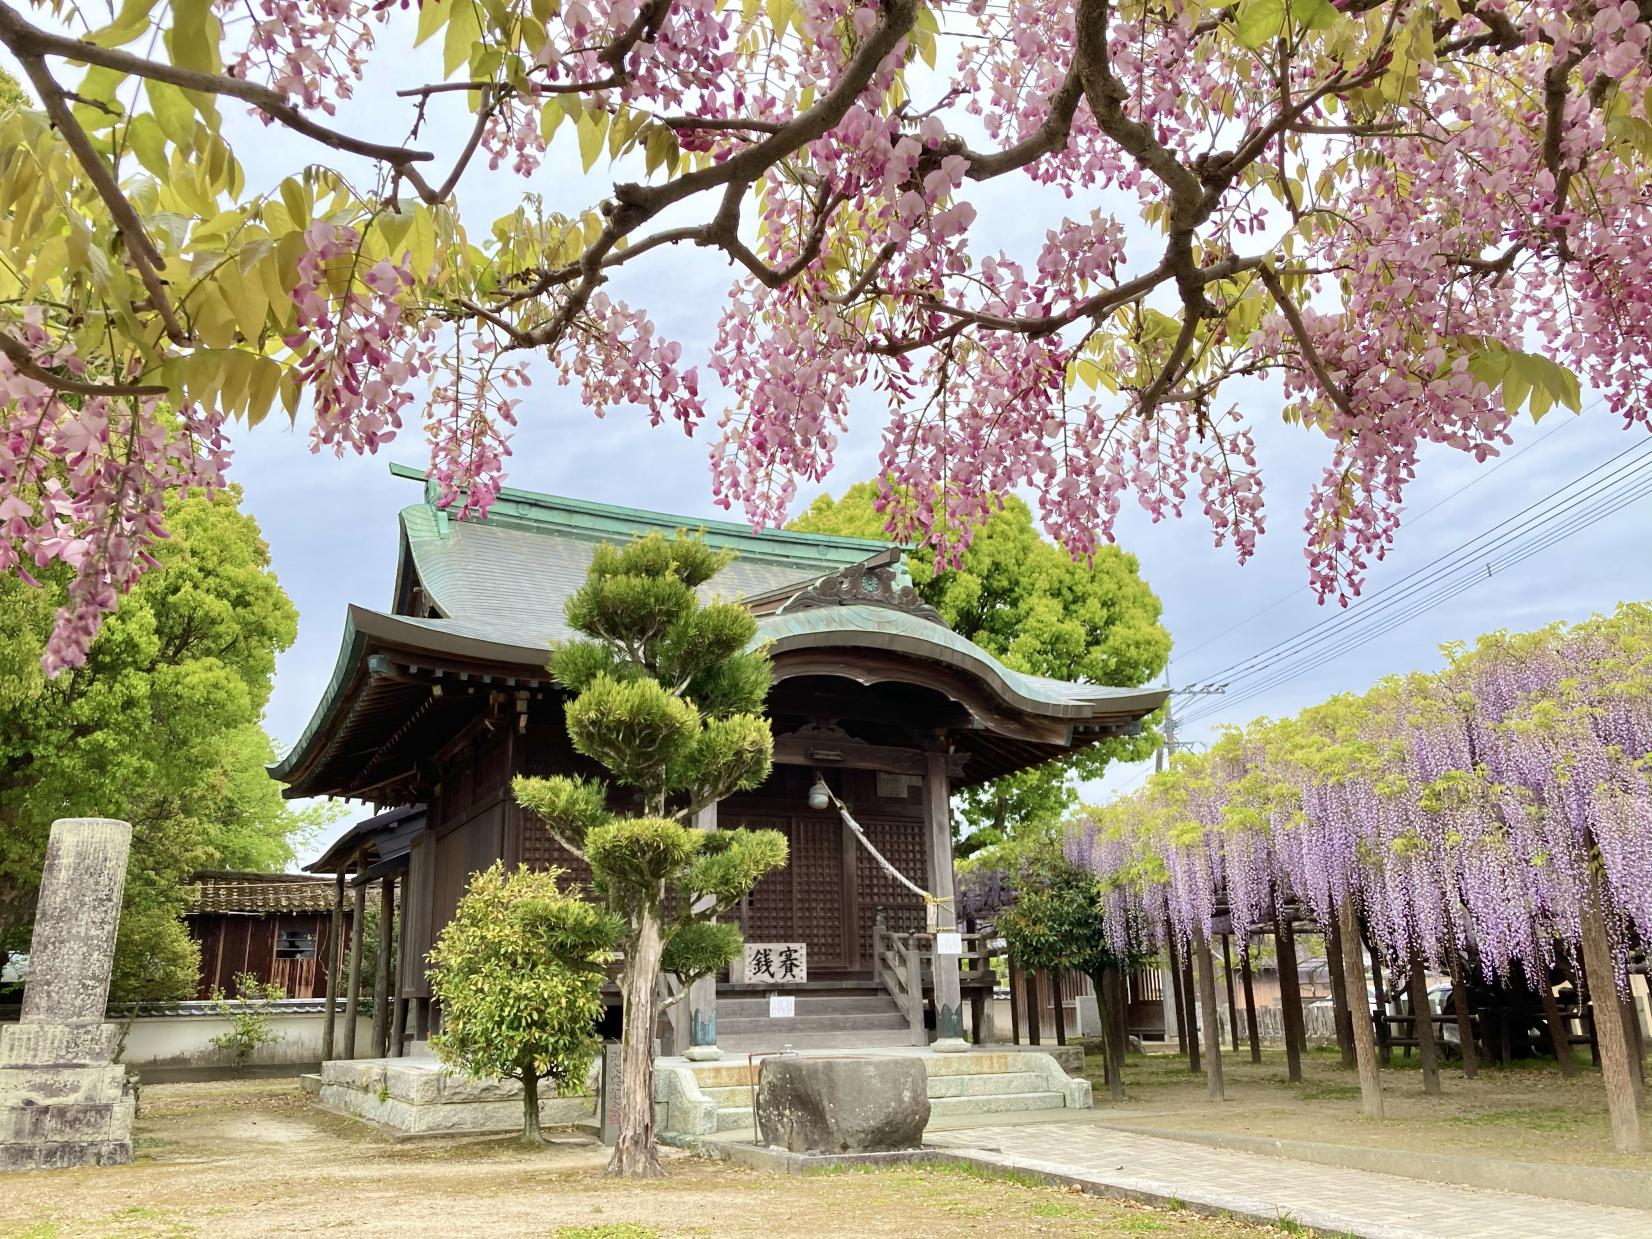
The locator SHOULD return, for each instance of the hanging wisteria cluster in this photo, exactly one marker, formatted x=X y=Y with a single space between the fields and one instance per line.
x=1488 y=808
x=1417 y=220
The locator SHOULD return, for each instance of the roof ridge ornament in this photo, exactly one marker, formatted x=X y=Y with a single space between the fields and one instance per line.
x=878 y=582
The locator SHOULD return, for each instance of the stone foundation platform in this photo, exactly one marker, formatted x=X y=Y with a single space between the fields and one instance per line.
x=418 y=1096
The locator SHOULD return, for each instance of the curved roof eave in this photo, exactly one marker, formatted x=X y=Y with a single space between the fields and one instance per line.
x=854 y=627
x=883 y=629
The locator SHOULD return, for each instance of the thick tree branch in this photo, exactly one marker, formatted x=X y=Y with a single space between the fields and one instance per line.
x=26 y=40
x=146 y=259
x=23 y=360
x=1270 y=279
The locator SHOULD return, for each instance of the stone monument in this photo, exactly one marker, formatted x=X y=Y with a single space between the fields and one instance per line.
x=842 y=1105
x=63 y=1100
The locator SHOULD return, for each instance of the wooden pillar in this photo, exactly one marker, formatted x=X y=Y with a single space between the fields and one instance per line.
x=1014 y=974
x=1609 y=1025
x=381 y=969
x=1465 y=1017
x=335 y=945
x=1385 y=1051
x=421 y=1019
x=1213 y=1026
x=1054 y=975
x=1422 y=1018
x=702 y=994
x=949 y=1004
x=398 y=1026
x=1233 y=1010
x=1365 y=1045
x=1637 y=1048
x=1112 y=998
x=1559 y=1035
x=1341 y=997
x=1251 y=1030
x=1173 y=982
x=1290 y=996
x=358 y=920
x=1034 y=1018
x=1190 y=1005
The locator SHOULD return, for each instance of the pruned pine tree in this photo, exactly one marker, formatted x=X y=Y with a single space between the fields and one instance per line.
x=667 y=695
x=519 y=972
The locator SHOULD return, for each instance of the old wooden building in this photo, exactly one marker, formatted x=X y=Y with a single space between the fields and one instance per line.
x=275 y=926
x=441 y=698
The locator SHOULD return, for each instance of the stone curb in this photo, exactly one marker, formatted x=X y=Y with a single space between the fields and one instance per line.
x=1193 y=1198
x=779 y=1161
x=1588 y=1185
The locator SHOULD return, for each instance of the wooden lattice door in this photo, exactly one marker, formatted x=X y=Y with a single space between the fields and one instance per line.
x=805 y=900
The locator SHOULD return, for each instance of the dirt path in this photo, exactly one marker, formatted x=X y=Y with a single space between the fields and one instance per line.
x=258 y=1158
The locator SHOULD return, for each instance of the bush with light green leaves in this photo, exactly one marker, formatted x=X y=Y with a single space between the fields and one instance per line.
x=518 y=972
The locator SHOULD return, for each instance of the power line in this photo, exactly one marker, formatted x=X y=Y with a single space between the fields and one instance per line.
x=1534 y=540
x=1549 y=508
x=1537 y=542
x=1411 y=522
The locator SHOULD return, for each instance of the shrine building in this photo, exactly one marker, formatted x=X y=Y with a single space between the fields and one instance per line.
x=438 y=700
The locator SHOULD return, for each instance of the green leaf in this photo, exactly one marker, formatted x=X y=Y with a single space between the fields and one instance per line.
x=1259 y=21
x=592 y=128
x=173 y=110
x=433 y=15
x=464 y=28
x=148 y=143
x=1314 y=14
x=129 y=23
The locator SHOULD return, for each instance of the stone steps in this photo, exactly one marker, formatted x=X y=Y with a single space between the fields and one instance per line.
x=888 y=1021
x=985 y=1085
x=1001 y=1103
x=774 y=1038
x=707 y=1098
x=807 y=1005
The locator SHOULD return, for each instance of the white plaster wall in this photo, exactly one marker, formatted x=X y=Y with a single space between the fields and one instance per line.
x=186 y=1040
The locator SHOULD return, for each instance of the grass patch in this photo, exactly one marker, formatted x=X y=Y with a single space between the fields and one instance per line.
x=607 y=1230
x=1329 y=1092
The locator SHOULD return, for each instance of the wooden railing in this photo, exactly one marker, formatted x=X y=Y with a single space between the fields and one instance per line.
x=904 y=964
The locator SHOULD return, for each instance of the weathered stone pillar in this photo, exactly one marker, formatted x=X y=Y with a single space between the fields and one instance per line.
x=702 y=994
x=949 y=1005
x=63 y=1101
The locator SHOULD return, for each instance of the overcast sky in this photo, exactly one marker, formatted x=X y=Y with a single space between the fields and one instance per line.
x=331 y=523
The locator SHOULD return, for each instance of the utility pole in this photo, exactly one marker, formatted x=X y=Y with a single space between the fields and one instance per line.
x=1169 y=745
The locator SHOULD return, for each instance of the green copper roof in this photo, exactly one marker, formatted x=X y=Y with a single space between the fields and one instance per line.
x=498 y=588
x=605 y=522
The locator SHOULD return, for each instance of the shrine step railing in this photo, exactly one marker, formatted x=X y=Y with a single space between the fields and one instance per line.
x=904 y=965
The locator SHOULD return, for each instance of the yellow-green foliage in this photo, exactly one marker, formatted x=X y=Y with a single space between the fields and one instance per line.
x=519 y=972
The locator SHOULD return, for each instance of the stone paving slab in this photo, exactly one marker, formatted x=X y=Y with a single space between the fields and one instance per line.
x=1356 y=1202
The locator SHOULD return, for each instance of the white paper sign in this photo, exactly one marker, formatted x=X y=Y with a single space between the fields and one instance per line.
x=782 y=1006
x=949 y=943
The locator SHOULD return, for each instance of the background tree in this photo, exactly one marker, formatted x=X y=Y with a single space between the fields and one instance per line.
x=668 y=697
x=160 y=727
x=1413 y=219
x=1037 y=610
x=519 y=973
x=1050 y=914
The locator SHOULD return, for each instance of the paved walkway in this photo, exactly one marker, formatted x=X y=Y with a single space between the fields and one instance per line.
x=1358 y=1202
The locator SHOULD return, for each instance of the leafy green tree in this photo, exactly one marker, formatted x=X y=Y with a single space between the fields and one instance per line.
x=668 y=697
x=160 y=728
x=1039 y=611
x=1054 y=923
x=519 y=972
